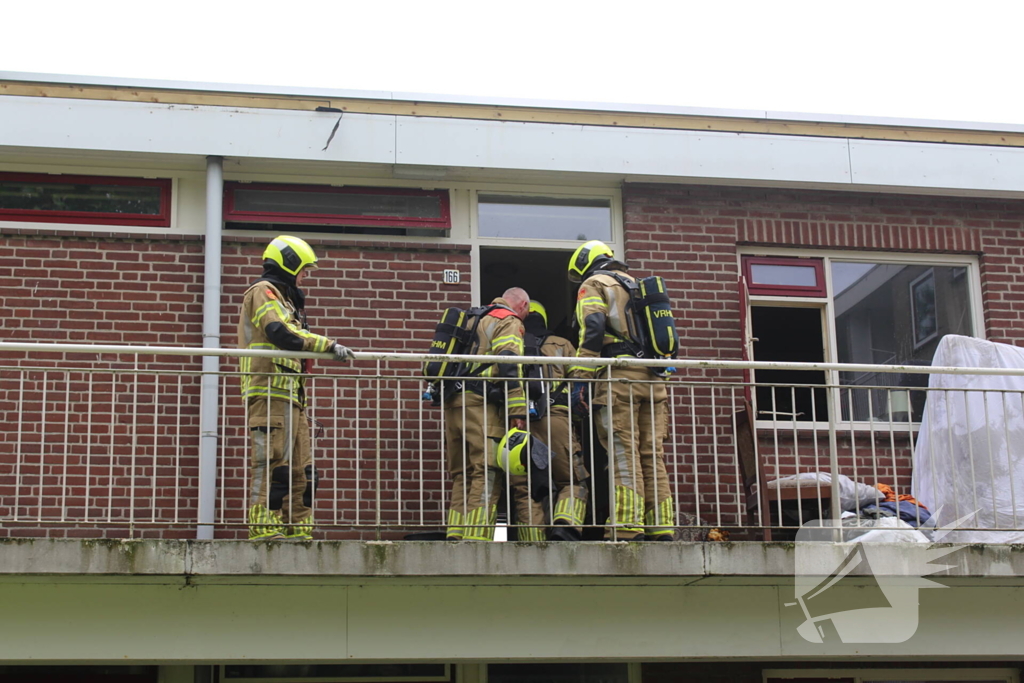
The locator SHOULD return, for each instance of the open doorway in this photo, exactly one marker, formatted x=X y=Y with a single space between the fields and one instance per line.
x=541 y=272
x=785 y=334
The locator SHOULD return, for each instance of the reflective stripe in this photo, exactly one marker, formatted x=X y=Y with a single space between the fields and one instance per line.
x=513 y=339
x=455 y=529
x=629 y=509
x=263 y=523
x=302 y=530
x=260 y=312
x=662 y=518
x=571 y=510
x=479 y=524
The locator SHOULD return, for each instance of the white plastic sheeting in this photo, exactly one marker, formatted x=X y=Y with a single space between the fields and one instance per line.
x=969 y=458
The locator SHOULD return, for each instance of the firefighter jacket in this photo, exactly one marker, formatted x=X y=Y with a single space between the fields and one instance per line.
x=558 y=347
x=500 y=333
x=270 y=321
x=605 y=321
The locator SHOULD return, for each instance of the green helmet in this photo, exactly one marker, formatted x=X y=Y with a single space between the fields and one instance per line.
x=291 y=254
x=586 y=257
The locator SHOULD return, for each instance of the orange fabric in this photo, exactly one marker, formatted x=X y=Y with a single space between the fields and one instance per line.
x=891 y=496
x=500 y=313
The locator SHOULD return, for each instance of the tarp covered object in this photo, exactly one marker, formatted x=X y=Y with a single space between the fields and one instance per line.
x=969 y=458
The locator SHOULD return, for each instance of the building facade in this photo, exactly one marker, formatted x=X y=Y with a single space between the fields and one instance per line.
x=133 y=213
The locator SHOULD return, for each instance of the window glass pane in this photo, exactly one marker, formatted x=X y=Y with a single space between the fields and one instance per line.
x=779 y=275
x=340 y=671
x=23 y=195
x=558 y=673
x=543 y=218
x=337 y=203
x=893 y=314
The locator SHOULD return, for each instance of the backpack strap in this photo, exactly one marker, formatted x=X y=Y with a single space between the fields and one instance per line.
x=630 y=345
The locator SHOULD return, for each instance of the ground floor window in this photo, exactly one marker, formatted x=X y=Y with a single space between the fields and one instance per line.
x=893 y=676
x=326 y=673
x=595 y=672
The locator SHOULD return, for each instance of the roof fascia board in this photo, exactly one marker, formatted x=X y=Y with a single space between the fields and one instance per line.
x=552 y=105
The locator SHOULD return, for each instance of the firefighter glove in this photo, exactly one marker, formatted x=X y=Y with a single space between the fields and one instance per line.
x=578 y=400
x=342 y=353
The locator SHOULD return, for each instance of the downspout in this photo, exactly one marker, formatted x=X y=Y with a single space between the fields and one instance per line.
x=210 y=388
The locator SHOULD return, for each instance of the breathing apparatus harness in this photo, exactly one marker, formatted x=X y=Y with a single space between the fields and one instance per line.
x=455 y=334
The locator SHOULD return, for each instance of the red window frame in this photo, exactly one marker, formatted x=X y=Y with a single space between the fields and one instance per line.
x=158 y=220
x=818 y=264
x=442 y=222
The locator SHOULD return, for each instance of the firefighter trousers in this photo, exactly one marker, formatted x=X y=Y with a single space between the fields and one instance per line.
x=639 y=424
x=280 y=471
x=472 y=429
x=568 y=502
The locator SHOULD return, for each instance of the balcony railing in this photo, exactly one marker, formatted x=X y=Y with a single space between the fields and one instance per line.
x=104 y=442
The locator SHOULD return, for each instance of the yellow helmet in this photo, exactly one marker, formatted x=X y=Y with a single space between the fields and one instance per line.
x=517 y=452
x=291 y=254
x=584 y=258
x=538 y=308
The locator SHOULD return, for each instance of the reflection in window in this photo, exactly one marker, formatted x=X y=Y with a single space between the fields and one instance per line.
x=545 y=218
x=894 y=314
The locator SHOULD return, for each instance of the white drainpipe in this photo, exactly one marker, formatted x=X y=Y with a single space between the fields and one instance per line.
x=210 y=390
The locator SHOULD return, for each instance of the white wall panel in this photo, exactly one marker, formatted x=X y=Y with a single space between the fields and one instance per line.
x=67 y=125
x=936 y=166
x=626 y=151
x=178 y=129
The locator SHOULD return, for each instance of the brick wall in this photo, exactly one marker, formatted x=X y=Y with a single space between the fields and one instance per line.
x=123 y=448
x=690 y=234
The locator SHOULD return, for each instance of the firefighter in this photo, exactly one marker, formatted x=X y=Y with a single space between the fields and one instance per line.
x=643 y=507
x=553 y=427
x=273 y=317
x=476 y=412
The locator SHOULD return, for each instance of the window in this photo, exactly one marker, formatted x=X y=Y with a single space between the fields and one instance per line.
x=785 y=276
x=364 y=210
x=513 y=216
x=93 y=200
x=558 y=673
x=882 y=311
x=948 y=674
x=326 y=673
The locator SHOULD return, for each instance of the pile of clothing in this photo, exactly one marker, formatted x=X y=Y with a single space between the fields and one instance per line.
x=905 y=507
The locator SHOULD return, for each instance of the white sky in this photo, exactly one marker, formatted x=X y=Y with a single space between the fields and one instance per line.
x=934 y=60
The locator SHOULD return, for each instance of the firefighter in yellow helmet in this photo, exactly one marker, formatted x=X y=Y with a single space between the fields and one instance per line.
x=273 y=317
x=548 y=392
x=475 y=419
x=643 y=508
